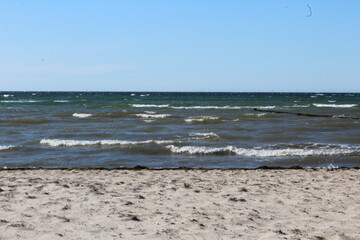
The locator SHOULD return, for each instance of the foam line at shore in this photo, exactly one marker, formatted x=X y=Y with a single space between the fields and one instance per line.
x=254 y=152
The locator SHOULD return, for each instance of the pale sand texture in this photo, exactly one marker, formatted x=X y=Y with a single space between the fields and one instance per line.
x=180 y=204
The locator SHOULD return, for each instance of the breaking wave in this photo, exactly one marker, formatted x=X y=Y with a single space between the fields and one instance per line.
x=298 y=106
x=147 y=115
x=82 y=115
x=72 y=143
x=209 y=135
x=7 y=147
x=222 y=107
x=149 y=105
x=198 y=107
x=335 y=105
x=255 y=115
x=312 y=150
x=201 y=119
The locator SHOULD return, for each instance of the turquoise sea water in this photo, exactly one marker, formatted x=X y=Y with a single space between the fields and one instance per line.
x=211 y=130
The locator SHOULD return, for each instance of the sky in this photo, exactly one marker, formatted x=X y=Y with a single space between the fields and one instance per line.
x=187 y=45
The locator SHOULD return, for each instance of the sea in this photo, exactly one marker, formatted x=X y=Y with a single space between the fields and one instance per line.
x=179 y=129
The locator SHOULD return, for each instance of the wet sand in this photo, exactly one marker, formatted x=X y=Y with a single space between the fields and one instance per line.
x=180 y=204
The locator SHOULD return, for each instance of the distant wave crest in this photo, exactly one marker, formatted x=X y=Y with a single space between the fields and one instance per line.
x=335 y=105
x=73 y=143
x=149 y=105
x=82 y=115
x=147 y=115
x=198 y=107
x=6 y=147
x=201 y=119
x=209 y=135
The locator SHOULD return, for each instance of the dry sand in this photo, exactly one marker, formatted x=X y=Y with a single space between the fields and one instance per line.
x=180 y=204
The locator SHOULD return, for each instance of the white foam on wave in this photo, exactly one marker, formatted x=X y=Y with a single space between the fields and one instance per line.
x=146 y=115
x=201 y=118
x=265 y=107
x=256 y=114
x=339 y=116
x=335 y=105
x=6 y=95
x=199 y=107
x=256 y=152
x=6 y=147
x=207 y=107
x=332 y=101
x=149 y=105
x=209 y=135
x=298 y=106
x=73 y=143
x=331 y=166
x=223 y=107
x=61 y=101
x=82 y=115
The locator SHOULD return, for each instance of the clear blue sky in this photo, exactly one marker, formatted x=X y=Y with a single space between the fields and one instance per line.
x=185 y=45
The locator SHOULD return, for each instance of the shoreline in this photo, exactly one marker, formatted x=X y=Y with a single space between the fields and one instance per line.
x=139 y=167
x=179 y=203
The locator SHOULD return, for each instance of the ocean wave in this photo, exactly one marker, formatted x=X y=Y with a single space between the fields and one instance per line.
x=255 y=115
x=6 y=147
x=222 y=107
x=7 y=95
x=73 y=143
x=20 y=101
x=266 y=152
x=149 y=105
x=61 y=101
x=26 y=120
x=146 y=115
x=82 y=115
x=209 y=135
x=335 y=105
x=298 y=106
x=263 y=107
x=201 y=118
x=207 y=107
x=199 y=107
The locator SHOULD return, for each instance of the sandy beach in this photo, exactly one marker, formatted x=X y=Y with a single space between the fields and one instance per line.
x=180 y=204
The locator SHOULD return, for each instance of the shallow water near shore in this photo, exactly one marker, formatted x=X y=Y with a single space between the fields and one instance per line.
x=169 y=130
